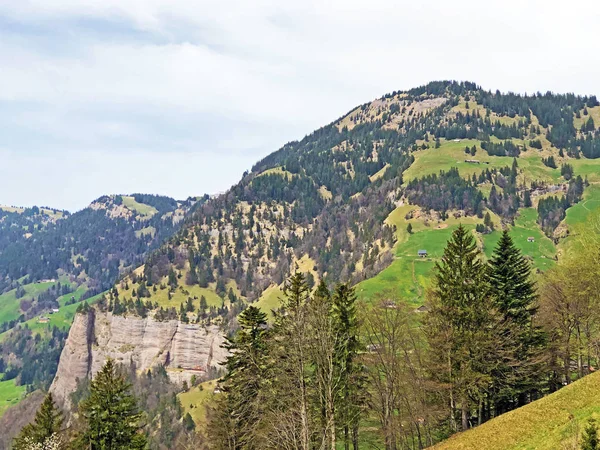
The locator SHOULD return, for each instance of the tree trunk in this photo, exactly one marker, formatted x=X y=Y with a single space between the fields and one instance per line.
x=355 y=437
x=464 y=414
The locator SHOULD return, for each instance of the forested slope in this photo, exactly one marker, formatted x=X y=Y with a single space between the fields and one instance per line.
x=354 y=201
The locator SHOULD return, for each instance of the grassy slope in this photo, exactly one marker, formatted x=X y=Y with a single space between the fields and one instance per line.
x=270 y=299
x=196 y=399
x=583 y=221
x=452 y=154
x=141 y=208
x=9 y=303
x=408 y=276
x=546 y=424
x=10 y=394
x=181 y=294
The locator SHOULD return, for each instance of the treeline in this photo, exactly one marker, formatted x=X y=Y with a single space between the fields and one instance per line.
x=31 y=359
x=506 y=148
x=298 y=384
x=488 y=343
x=162 y=203
x=102 y=246
x=444 y=192
x=552 y=210
x=555 y=112
x=313 y=378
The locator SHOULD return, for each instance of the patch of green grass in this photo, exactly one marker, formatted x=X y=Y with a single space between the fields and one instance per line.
x=195 y=401
x=546 y=424
x=141 y=208
x=593 y=112
x=587 y=168
x=452 y=154
x=63 y=318
x=146 y=231
x=270 y=299
x=9 y=303
x=277 y=171
x=10 y=394
x=181 y=294
x=408 y=276
x=541 y=251
x=377 y=175
x=583 y=221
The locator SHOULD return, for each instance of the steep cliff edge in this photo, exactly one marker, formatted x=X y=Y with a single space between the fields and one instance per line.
x=184 y=349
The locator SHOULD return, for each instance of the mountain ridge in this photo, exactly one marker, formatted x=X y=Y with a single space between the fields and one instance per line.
x=357 y=199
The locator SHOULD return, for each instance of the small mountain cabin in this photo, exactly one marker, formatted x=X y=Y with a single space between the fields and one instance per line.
x=530 y=239
x=422 y=253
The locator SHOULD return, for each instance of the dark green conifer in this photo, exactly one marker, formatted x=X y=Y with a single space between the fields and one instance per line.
x=346 y=351
x=48 y=422
x=527 y=199
x=510 y=277
x=462 y=325
x=515 y=297
x=238 y=410
x=110 y=414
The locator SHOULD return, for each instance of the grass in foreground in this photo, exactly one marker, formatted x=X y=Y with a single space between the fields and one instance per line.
x=552 y=422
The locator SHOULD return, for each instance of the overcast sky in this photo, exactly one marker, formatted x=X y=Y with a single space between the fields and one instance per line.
x=179 y=97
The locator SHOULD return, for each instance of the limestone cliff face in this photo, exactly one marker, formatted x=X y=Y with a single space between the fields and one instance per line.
x=184 y=349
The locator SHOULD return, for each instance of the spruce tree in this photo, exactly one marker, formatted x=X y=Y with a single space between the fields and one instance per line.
x=347 y=349
x=461 y=326
x=510 y=277
x=238 y=412
x=111 y=420
x=527 y=200
x=515 y=297
x=45 y=426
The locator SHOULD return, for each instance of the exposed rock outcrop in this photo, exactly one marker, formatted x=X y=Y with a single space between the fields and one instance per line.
x=184 y=349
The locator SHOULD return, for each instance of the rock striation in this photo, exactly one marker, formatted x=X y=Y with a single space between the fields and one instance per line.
x=184 y=349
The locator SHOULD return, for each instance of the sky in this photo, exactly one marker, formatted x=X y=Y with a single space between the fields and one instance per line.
x=180 y=97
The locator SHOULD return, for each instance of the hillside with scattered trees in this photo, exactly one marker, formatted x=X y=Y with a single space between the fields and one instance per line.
x=444 y=205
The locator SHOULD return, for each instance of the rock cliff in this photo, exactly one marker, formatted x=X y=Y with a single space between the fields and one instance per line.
x=184 y=349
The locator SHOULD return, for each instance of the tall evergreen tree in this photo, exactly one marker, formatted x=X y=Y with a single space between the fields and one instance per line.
x=461 y=327
x=515 y=297
x=110 y=414
x=45 y=426
x=351 y=373
x=234 y=421
x=510 y=277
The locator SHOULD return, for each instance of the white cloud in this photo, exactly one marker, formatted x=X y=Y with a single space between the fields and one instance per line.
x=205 y=83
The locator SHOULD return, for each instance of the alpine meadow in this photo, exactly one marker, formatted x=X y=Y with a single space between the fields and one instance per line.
x=422 y=272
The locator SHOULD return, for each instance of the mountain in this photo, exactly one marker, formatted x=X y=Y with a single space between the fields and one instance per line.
x=51 y=260
x=371 y=198
x=40 y=247
x=337 y=203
